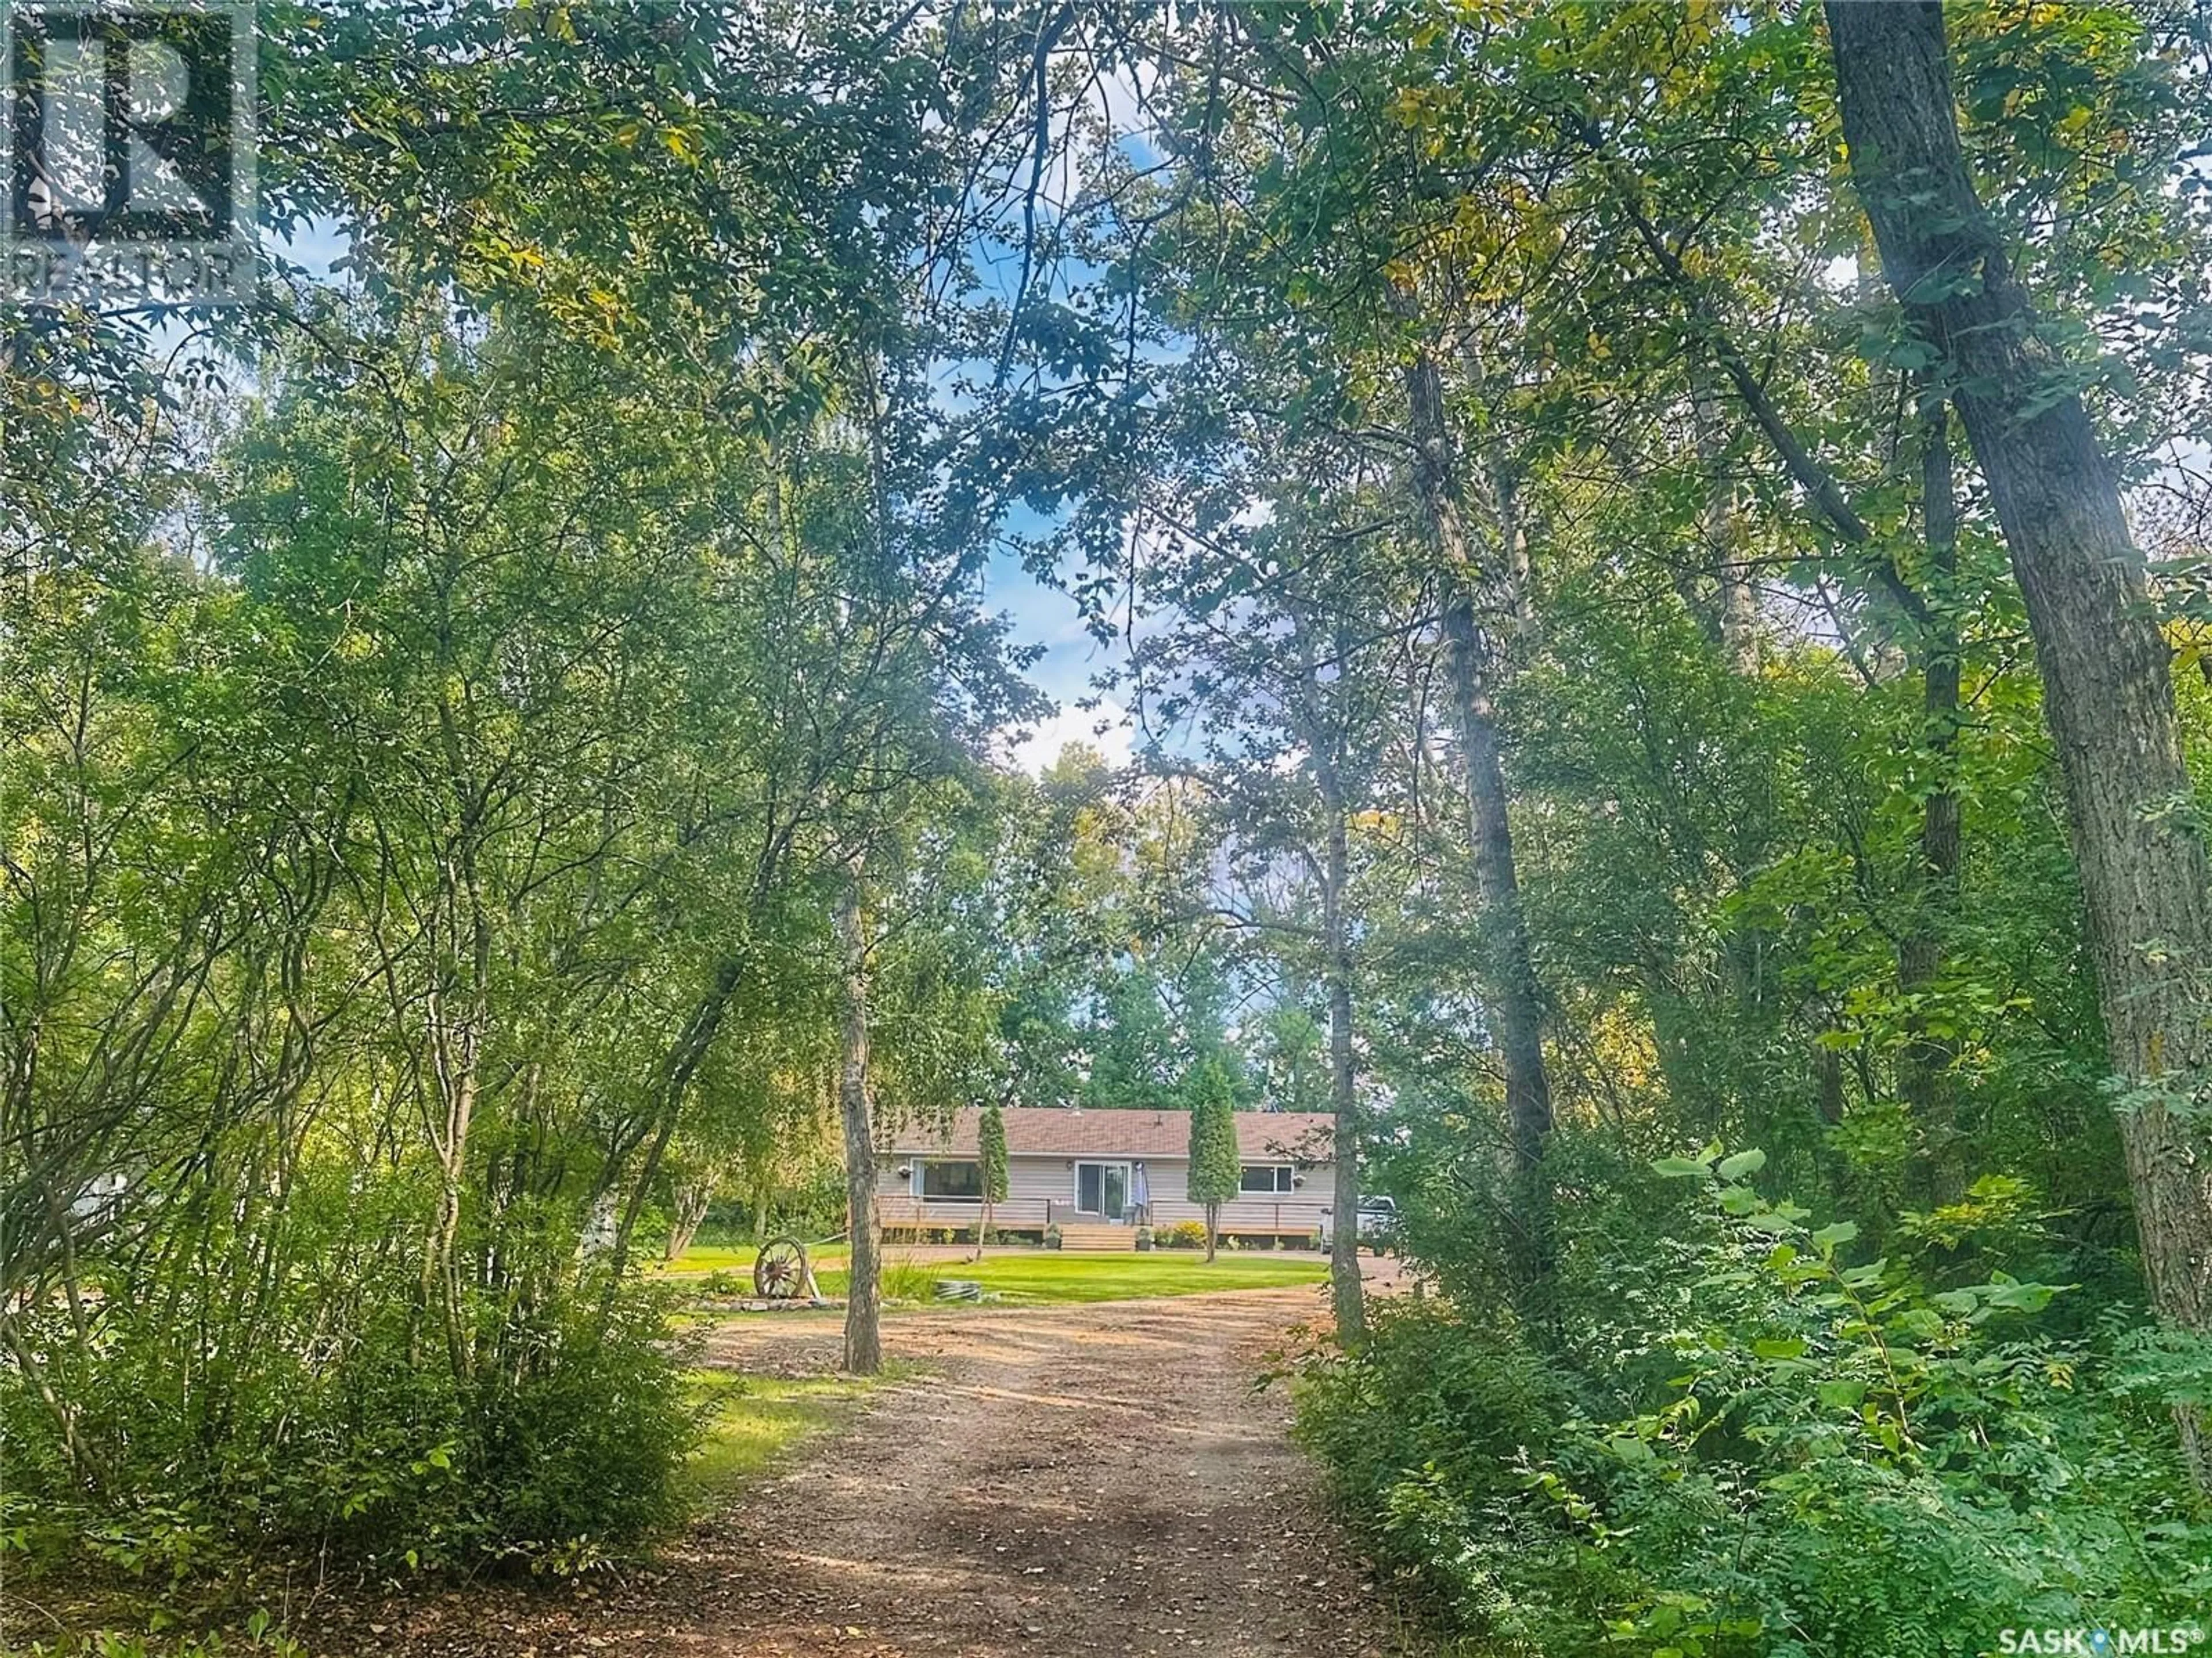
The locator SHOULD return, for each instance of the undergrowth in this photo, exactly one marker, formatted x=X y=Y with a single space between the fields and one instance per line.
x=1756 y=1439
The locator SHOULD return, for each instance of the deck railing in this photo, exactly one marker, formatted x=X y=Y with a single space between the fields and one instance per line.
x=1028 y=1214
x=1023 y=1213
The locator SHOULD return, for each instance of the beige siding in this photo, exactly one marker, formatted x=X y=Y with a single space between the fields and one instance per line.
x=1034 y=1182
x=1294 y=1210
x=1028 y=1178
x=1030 y=1181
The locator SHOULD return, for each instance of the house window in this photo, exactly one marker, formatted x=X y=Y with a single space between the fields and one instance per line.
x=963 y=1178
x=1268 y=1177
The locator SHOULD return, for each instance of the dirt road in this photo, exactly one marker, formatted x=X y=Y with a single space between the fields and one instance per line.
x=1062 y=1482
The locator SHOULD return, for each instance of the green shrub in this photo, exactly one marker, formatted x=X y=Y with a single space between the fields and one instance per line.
x=1748 y=1443
x=1052 y=1237
x=257 y=1636
x=579 y=1445
x=1183 y=1234
x=343 y=1433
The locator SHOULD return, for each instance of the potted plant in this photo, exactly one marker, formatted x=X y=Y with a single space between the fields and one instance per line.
x=1052 y=1237
x=1144 y=1237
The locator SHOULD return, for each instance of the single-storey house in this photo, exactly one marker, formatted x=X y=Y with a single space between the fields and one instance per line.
x=1113 y=1168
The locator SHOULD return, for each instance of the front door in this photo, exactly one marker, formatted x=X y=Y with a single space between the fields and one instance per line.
x=1102 y=1189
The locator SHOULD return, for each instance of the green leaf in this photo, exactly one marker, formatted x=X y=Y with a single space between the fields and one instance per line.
x=1833 y=1237
x=1917 y=1324
x=1631 y=1450
x=1743 y=1165
x=2019 y=1297
x=1678 y=1168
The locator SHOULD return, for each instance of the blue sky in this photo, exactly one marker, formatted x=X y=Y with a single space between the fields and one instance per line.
x=1040 y=614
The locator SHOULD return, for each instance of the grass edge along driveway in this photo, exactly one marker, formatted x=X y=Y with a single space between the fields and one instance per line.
x=753 y=1423
x=1045 y=1277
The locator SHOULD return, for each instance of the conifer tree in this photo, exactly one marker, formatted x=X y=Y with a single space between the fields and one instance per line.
x=991 y=1150
x=1213 y=1161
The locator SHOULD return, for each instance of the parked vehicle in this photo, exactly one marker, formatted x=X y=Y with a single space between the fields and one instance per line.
x=1377 y=1224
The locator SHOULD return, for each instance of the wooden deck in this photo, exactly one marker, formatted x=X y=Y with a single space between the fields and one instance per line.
x=903 y=1214
x=1100 y=1237
x=900 y=1216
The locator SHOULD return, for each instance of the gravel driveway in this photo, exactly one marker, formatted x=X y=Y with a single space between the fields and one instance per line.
x=1060 y=1482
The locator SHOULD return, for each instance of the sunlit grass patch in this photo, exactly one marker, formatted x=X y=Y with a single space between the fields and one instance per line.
x=1046 y=1276
x=1037 y=1276
x=757 y=1421
x=737 y=1260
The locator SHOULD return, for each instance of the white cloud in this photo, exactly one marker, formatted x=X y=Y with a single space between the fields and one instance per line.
x=1037 y=751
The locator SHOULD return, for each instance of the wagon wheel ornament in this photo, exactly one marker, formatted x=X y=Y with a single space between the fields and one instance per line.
x=781 y=1271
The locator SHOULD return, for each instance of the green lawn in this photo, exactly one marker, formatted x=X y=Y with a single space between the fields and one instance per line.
x=739 y=1259
x=1046 y=1276
x=708 y=1258
x=758 y=1419
x=1036 y=1275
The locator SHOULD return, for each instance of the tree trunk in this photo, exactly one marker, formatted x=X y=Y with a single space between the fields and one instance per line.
x=1509 y=967
x=456 y=1048
x=864 y=1346
x=692 y=1199
x=1213 y=1229
x=2108 y=693
x=1828 y=1082
x=1924 y=1067
x=1324 y=737
x=1346 y=1291
x=681 y=1066
x=1734 y=619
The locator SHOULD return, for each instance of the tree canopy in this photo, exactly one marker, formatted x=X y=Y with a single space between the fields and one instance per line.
x=1649 y=560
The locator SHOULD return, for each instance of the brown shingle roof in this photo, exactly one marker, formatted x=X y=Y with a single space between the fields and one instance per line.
x=1033 y=1131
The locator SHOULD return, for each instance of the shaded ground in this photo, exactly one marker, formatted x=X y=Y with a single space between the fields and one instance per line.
x=1064 y=1481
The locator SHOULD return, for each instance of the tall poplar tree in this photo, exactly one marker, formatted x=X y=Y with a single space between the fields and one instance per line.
x=2104 y=663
